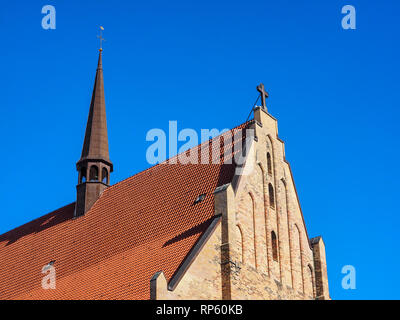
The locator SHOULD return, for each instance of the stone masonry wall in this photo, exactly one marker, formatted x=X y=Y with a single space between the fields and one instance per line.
x=203 y=279
x=261 y=249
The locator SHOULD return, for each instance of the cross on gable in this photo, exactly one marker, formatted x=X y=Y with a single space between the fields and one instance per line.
x=263 y=94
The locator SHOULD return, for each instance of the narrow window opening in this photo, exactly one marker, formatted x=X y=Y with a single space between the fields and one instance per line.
x=271 y=196
x=94 y=173
x=104 y=176
x=274 y=246
x=269 y=163
x=82 y=177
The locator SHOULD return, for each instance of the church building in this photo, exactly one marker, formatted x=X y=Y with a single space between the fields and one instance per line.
x=226 y=229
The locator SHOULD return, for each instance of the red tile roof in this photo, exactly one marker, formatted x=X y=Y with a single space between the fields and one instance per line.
x=144 y=224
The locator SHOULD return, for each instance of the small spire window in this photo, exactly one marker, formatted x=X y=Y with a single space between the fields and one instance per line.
x=94 y=173
x=82 y=177
x=104 y=176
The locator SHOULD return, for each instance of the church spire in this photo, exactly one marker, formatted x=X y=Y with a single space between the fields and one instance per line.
x=94 y=166
x=96 y=141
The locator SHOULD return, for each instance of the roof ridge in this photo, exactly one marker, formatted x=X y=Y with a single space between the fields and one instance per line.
x=38 y=218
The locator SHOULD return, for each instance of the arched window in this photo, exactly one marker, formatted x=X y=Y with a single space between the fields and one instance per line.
x=274 y=246
x=269 y=163
x=104 y=176
x=94 y=173
x=271 y=196
x=82 y=177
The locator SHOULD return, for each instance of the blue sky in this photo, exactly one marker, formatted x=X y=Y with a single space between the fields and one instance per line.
x=333 y=91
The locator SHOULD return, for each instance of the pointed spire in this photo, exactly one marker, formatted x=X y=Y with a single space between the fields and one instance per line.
x=94 y=167
x=95 y=146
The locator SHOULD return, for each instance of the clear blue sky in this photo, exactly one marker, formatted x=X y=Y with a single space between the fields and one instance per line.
x=334 y=92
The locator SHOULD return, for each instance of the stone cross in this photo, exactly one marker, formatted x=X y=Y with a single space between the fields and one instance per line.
x=264 y=95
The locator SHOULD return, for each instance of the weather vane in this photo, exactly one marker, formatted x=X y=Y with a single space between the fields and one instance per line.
x=101 y=38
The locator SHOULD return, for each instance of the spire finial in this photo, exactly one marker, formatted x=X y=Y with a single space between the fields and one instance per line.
x=100 y=36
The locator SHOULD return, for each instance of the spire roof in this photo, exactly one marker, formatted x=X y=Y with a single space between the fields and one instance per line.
x=95 y=146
